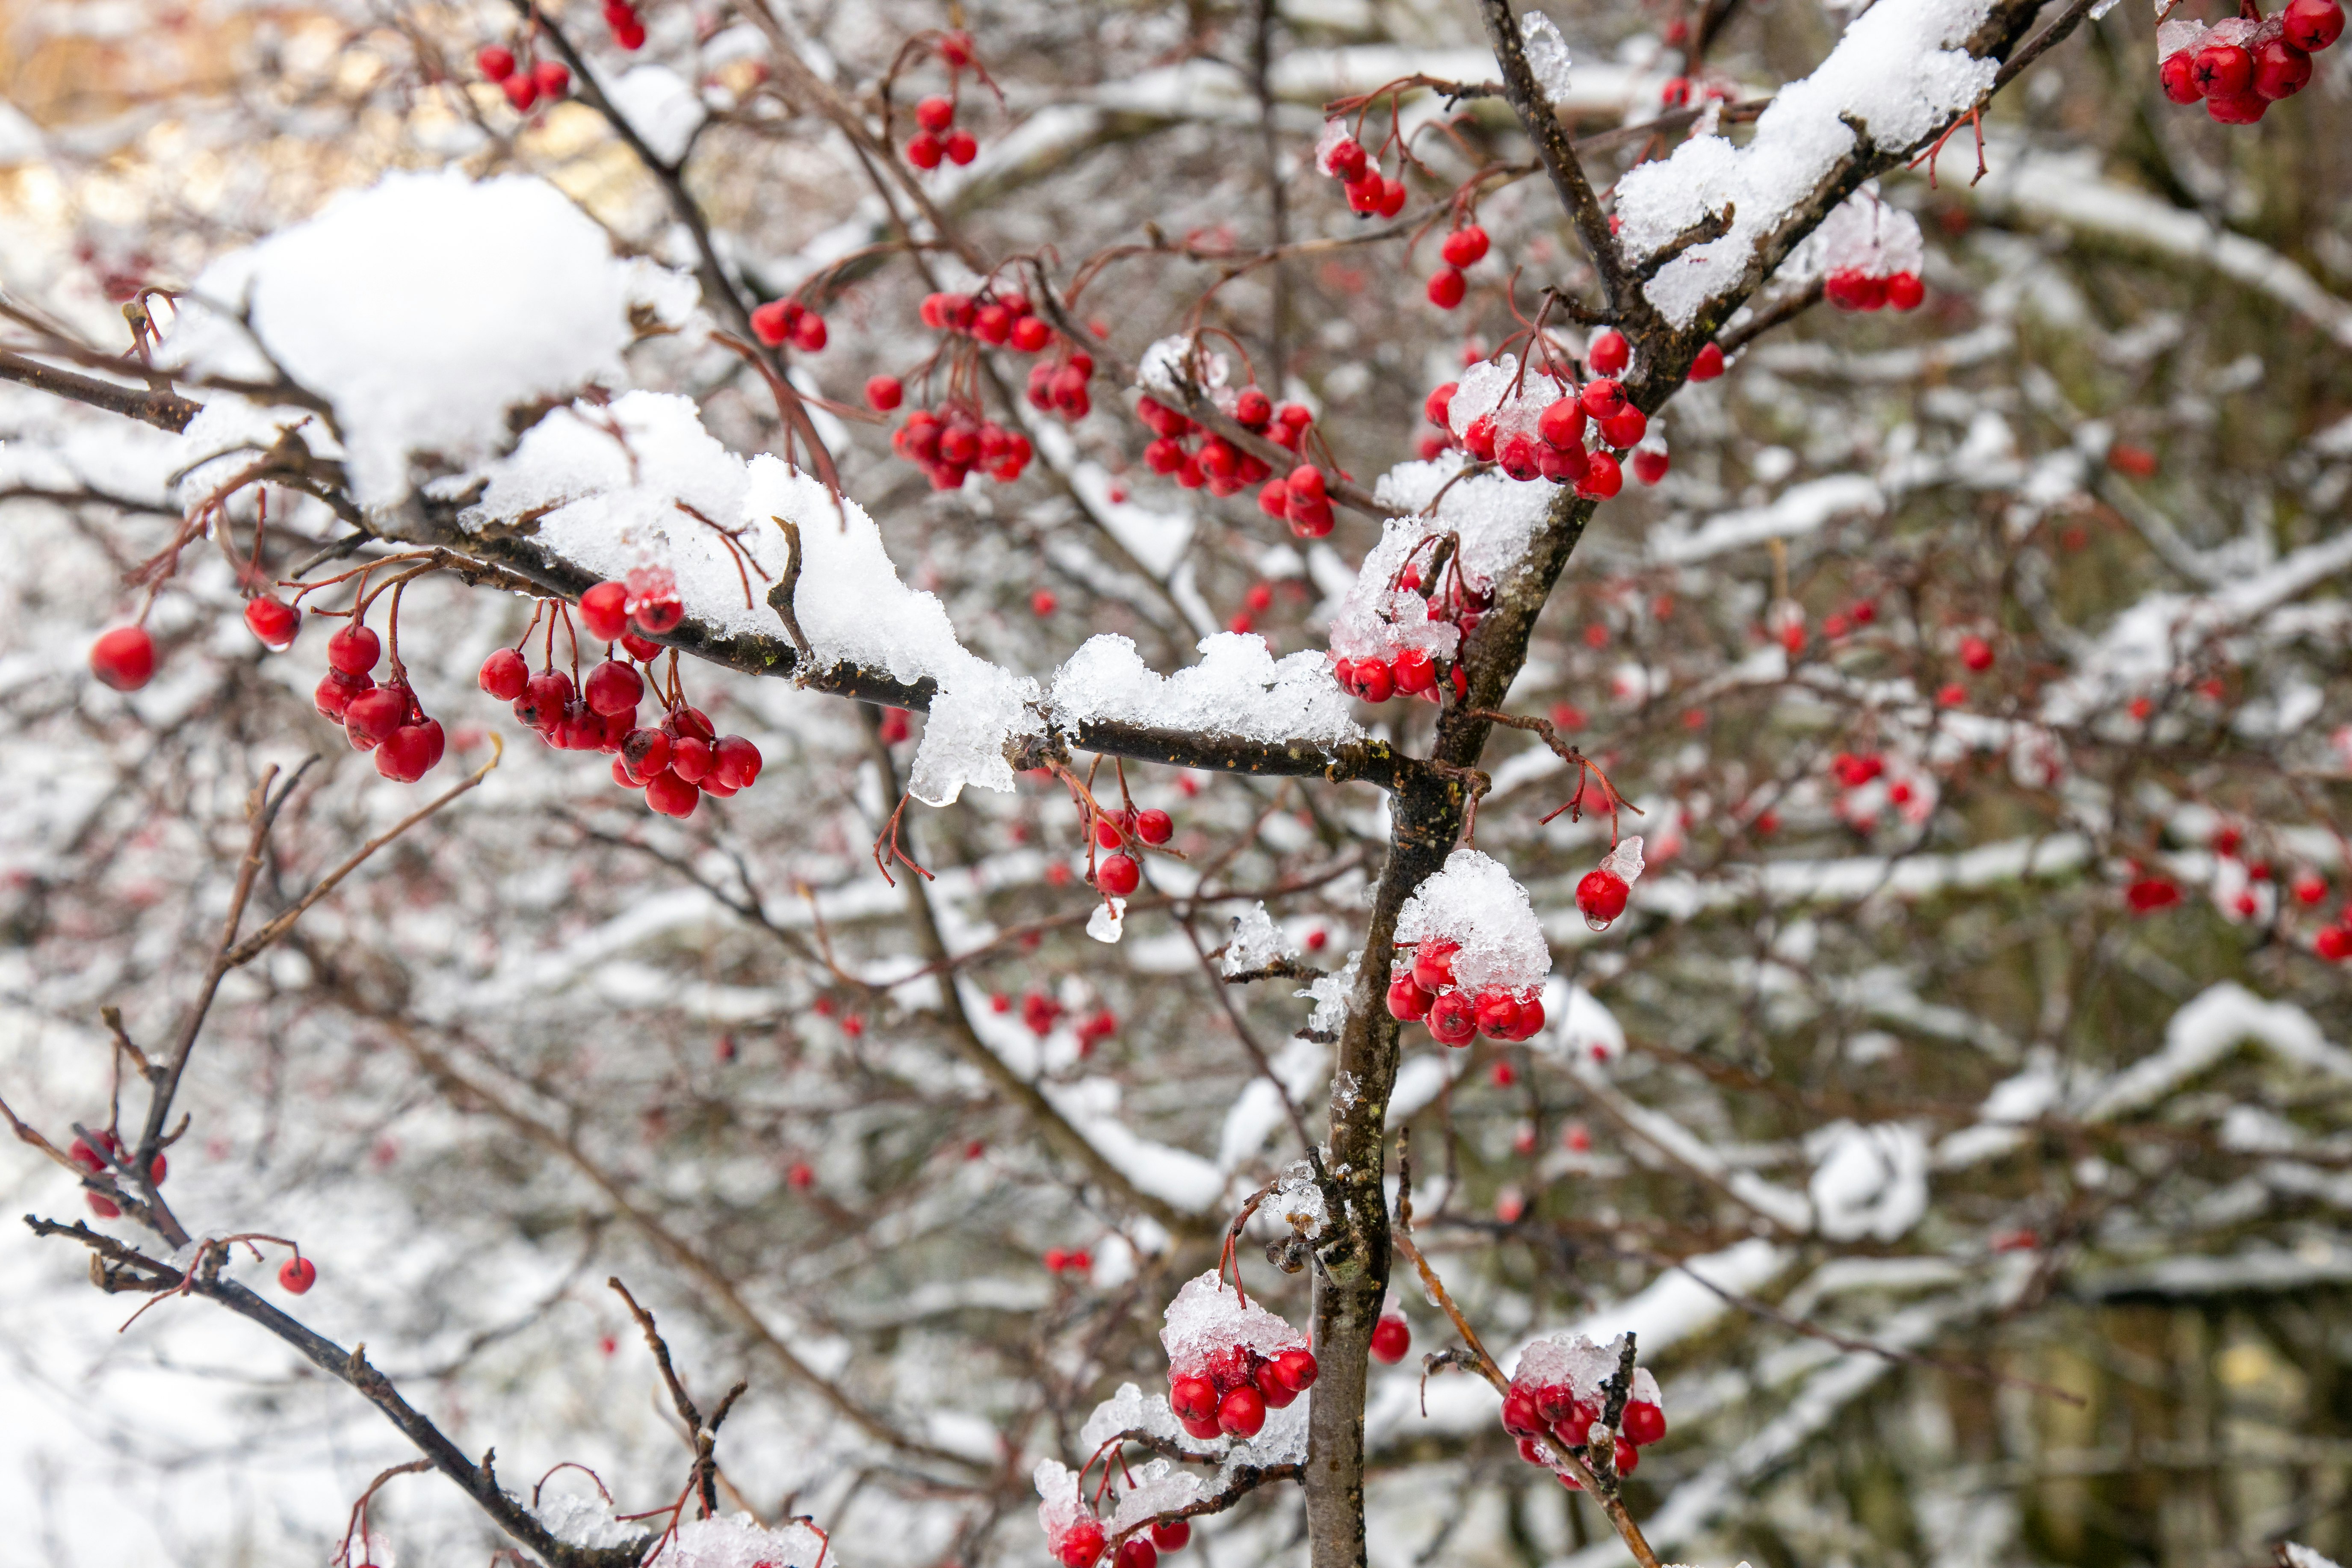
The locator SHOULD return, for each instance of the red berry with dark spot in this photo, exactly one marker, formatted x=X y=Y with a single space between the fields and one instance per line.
x=2281 y=71
x=2222 y=70
x=2312 y=25
x=2178 y=75
x=297 y=1275
x=935 y=114
x=1242 y=1413
x=1432 y=963
x=553 y=78
x=1172 y=1535
x=1193 y=1398
x=1603 y=399
x=1603 y=477
x=960 y=147
x=1137 y=1552
x=1649 y=465
x=1453 y=1018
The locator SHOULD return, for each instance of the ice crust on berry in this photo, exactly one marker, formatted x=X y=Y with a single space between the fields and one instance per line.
x=1494 y=518
x=1157 y=1488
x=1061 y=1509
x=1865 y=234
x=738 y=1540
x=1899 y=70
x=1574 y=1362
x=1255 y=943
x=1132 y=1410
x=1475 y=903
x=1207 y=1317
x=1625 y=859
x=422 y=308
x=1547 y=55
x=1335 y=132
x=1237 y=690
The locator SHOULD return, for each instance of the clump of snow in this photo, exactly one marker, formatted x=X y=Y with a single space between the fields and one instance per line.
x=1868 y=1181
x=1547 y=54
x=1238 y=689
x=422 y=308
x=1898 y=71
x=1494 y=518
x=583 y=1519
x=1108 y=922
x=1131 y=1410
x=1475 y=903
x=1207 y=1316
x=661 y=105
x=1330 y=995
x=1625 y=859
x=2298 y=1555
x=1255 y=943
x=1299 y=1200
x=1169 y=367
x=1335 y=130
x=738 y=1540
x=854 y=610
x=1157 y=1488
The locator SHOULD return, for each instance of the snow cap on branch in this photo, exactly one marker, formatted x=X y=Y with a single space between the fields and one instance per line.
x=423 y=309
x=1239 y=690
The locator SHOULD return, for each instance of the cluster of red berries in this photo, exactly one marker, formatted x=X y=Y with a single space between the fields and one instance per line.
x=544 y=81
x=1416 y=671
x=1853 y=769
x=1042 y=1011
x=949 y=447
x=2242 y=67
x=1301 y=498
x=1551 y=1412
x=939 y=136
x=1557 y=451
x=1370 y=193
x=1234 y=1388
x=1216 y=464
x=1119 y=873
x=1080 y=1262
x=780 y=320
x=387 y=720
x=675 y=762
x=1851 y=289
x=90 y=1159
x=1083 y=1542
x=627 y=29
x=1423 y=992
x=1464 y=247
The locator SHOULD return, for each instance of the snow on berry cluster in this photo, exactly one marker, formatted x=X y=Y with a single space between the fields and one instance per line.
x=1175 y=369
x=1868 y=254
x=1230 y=1362
x=1430 y=579
x=1537 y=423
x=1558 y=1393
x=1478 y=958
x=1075 y=1534
x=2241 y=66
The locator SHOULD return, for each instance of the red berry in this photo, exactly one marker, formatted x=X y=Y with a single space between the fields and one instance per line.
x=1435 y=407
x=1297 y=1370
x=1561 y=424
x=1603 y=477
x=604 y=608
x=504 y=674
x=1601 y=896
x=370 y=717
x=1708 y=364
x=1031 y=335
x=353 y=650
x=961 y=148
x=521 y=91
x=1531 y=1020
x=1172 y=1535
x=1464 y=246
x=2177 y=76
x=1193 y=1398
x=1432 y=963
x=1137 y=1552
x=1081 y=1545
x=1904 y=291
x=2333 y=943
x=613 y=688
x=1270 y=1388
x=656 y=616
x=671 y=795
x=2281 y=71
x=273 y=621
x=2149 y=894
x=2312 y=25
x=1372 y=680
x=1414 y=671
x=1392 y=197
x=1242 y=1413
x=1498 y=1015
x=553 y=78
x=1517 y=458
x=297 y=1275
x=924 y=150
x=123 y=658
x=1649 y=465
x=495 y=61
x=629 y=35
x=1520 y=1418
x=1625 y=428
x=1446 y=287
x=1392 y=1337
x=735 y=762
x=1643 y=1423
x=2222 y=70
x=335 y=692
x=1154 y=826
x=1603 y=399
x=809 y=332
x=884 y=393
x=1407 y=1002
x=1118 y=875
x=1609 y=353
x=935 y=114
x=1453 y=1018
